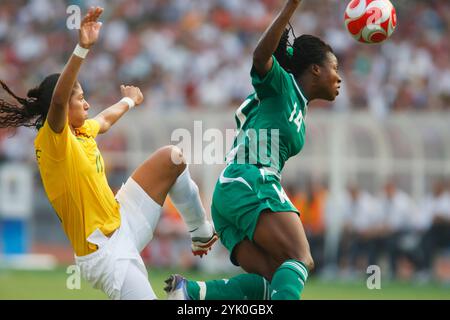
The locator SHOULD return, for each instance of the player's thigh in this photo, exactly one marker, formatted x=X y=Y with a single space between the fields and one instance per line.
x=136 y=285
x=243 y=252
x=253 y=259
x=236 y=205
x=157 y=175
x=282 y=236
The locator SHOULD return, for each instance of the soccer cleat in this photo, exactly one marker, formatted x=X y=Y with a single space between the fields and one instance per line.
x=201 y=245
x=176 y=288
x=203 y=238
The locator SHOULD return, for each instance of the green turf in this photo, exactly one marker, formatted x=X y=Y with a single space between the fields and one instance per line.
x=52 y=285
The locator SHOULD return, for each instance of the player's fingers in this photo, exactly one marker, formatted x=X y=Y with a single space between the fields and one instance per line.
x=91 y=13
x=97 y=13
x=85 y=19
x=88 y=17
x=94 y=13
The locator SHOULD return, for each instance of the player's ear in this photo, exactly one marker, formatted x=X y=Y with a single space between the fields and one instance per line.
x=315 y=69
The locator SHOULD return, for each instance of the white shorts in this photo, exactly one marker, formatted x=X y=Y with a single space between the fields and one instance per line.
x=117 y=267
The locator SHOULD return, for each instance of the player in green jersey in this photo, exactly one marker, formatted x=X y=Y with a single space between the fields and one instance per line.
x=252 y=214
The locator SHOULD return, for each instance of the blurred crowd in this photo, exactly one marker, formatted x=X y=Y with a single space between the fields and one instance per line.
x=189 y=54
x=406 y=238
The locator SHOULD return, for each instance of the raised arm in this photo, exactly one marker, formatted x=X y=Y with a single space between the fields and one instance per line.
x=262 y=56
x=132 y=97
x=88 y=36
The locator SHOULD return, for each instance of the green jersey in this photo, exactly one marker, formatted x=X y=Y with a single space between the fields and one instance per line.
x=270 y=122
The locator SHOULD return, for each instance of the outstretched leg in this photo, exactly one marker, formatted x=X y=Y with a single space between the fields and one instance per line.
x=166 y=173
x=241 y=287
x=255 y=285
x=251 y=286
x=186 y=198
x=157 y=175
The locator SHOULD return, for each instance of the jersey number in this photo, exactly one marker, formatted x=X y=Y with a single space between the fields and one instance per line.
x=298 y=120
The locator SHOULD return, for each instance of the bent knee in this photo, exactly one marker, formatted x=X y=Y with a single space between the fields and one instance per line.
x=308 y=261
x=304 y=256
x=174 y=157
x=268 y=272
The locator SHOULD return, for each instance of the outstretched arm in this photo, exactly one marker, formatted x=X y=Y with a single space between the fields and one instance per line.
x=59 y=106
x=110 y=116
x=262 y=56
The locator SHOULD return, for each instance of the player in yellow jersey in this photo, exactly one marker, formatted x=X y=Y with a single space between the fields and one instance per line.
x=107 y=232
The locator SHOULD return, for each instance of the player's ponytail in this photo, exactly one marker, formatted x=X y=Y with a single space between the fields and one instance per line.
x=282 y=54
x=31 y=111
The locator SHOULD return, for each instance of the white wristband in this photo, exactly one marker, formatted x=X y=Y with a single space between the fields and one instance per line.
x=129 y=101
x=80 y=52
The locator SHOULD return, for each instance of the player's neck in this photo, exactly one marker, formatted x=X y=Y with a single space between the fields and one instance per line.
x=306 y=83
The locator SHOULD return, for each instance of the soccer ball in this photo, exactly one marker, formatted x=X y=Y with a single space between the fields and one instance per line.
x=370 y=21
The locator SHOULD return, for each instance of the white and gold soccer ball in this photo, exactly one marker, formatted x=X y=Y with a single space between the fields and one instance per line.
x=370 y=21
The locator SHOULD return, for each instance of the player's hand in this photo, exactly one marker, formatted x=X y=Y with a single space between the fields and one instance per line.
x=90 y=27
x=133 y=93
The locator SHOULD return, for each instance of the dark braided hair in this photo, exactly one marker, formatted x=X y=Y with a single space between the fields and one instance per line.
x=307 y=50
x=281 y=53
x=32 y=111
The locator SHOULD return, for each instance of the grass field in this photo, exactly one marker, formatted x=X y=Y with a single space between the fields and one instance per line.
x=51 y=285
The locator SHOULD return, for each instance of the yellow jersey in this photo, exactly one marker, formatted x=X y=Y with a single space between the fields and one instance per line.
x=73 y=173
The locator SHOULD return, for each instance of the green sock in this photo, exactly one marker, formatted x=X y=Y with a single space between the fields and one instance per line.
x=289 y=280
x=242 y=287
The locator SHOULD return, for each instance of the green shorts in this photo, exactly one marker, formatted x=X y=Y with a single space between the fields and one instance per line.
x=241 y=194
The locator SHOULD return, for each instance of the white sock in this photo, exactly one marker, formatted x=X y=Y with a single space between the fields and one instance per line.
x=186 y=198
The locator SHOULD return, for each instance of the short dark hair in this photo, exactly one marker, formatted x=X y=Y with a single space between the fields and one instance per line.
x=307 y=50
x=31 y=111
